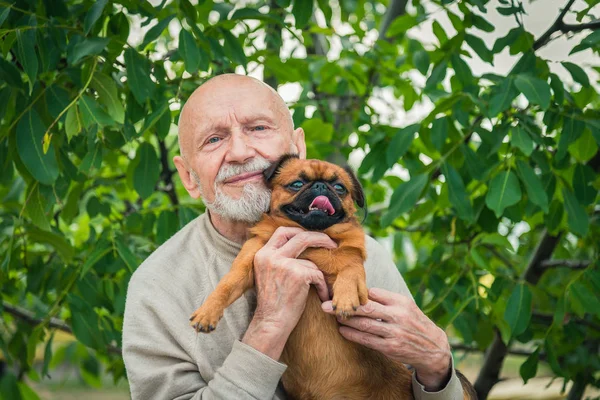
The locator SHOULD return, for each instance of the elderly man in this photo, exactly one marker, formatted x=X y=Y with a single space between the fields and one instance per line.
x=230 y=130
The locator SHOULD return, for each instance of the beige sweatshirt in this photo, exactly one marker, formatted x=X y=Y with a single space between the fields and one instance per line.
x=166 y=359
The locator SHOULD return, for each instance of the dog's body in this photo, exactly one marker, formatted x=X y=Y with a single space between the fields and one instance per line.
x=316 y=195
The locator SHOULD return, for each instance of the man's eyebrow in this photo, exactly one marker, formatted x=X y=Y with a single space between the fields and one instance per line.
x=257 y=117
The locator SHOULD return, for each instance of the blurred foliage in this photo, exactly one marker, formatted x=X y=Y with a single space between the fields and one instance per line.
x=496 y=231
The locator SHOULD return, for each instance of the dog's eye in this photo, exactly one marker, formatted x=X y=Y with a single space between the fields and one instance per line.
x=339 y=188
x=297 y=185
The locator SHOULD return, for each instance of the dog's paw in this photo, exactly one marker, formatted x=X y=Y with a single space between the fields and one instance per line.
x=345 y=303
x=205 y=318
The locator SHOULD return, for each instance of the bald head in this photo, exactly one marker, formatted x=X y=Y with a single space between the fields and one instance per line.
x=233 y=94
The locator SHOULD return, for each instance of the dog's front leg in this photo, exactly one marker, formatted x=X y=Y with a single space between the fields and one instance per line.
x=349 y=288
x=239 y=279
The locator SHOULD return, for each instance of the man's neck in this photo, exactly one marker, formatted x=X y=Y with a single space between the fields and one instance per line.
x=236 y=231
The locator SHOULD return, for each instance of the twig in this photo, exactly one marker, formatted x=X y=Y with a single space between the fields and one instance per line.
x=573 y=264
x=167 y=174
x=560 y=25
x=28 y=317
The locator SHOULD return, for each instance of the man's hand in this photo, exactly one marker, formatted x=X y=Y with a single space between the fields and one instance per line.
x=282 y=283
x=393 y=325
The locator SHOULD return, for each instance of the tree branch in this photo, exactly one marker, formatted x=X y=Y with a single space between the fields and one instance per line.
x=559 y=25
x=28 y=317
x=495 y=354
x=167 y=174
x=473 y=349
x=573 y=264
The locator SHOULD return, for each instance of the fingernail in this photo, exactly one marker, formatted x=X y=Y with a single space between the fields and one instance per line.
x=326 y=307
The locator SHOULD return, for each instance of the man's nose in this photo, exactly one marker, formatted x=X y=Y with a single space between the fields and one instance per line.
x=319 y=188
x=240 y=150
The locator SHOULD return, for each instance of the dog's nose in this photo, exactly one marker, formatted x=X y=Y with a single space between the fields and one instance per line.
x=319 y=188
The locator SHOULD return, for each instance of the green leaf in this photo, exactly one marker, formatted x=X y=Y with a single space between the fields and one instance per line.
x=529 y=367
x=502 y=96
x=439 y=132
x=518 y=309
x=57 y=241
x=584 y=148
x=27 y=56
x=92 y=114
x=573 y=128
x=153 y=118
x=156 y=30
x=401 y=24
x=9 y=388
x=34 y=207
x=400 y=143
x=10 y=74
x=126 y=255
x=166 y=226
x=475 y=166
x=462 y=70
x=404 y=198
x=302 y=11
x=233 y=48
x=507 y=40
x=481 y=23
x=536 y=90
x=557 y=88
x=93 y=14
x=521 y=140
x=577 y=73
x=4 y=14
x=30 y=133
x=99 y=251
x=138 y=76
x=147 y=171
x=585 y=299
x=583 y=178
x=478 y=45
x=533 y=185
x=87 y=47
x=84 y=322
x=108 y=96
x=576 y=216
x=503 y=191
x=458 y=194
x=27 y=392
x=421 y=61
x=73 y=123
x=554 y=216
x=437 y=75
x=189 y=51
x=47 y=355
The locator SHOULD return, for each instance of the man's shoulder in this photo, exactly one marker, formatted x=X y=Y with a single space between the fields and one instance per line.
x=175 y=253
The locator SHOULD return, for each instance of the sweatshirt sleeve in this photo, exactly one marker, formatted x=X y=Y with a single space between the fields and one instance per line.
x=383 y=273
x=157 y=351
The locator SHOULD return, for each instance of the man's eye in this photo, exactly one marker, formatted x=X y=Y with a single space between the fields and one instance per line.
x=339 y=188
x=213 y=140
x=297 y=185
x=259 y=128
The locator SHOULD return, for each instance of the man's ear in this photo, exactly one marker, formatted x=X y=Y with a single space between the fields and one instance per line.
x=357 y=191
x=270 y=172
x=299 y=143
x=186 y=177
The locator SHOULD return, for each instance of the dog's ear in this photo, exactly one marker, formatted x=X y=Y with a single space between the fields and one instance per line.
x=357 y=191
x=273 y=170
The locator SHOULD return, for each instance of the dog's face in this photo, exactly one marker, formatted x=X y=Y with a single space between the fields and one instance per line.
x=315 y=194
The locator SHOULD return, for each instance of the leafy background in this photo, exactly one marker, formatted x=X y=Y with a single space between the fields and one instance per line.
x=488 y=198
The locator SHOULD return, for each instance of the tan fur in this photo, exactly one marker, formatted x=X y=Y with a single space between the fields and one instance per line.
x=321 y=363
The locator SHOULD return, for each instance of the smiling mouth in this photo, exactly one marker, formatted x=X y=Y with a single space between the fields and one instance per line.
x=243 y=177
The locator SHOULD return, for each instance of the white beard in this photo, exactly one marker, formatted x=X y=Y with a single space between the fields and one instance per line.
x=254 y=200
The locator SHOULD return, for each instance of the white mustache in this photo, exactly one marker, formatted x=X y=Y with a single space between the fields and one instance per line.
x=230 y=170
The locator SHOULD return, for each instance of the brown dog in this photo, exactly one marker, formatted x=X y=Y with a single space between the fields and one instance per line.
x=317 y=196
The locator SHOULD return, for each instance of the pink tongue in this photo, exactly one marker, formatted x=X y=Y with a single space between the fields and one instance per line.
x=322 y=203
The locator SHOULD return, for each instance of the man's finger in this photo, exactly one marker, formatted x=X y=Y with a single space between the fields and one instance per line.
x=368 y=325
x=302 y=241
x=317 y=279
x=386 y=297
x=366 y=339
x=282 y=235
x=371 y=310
